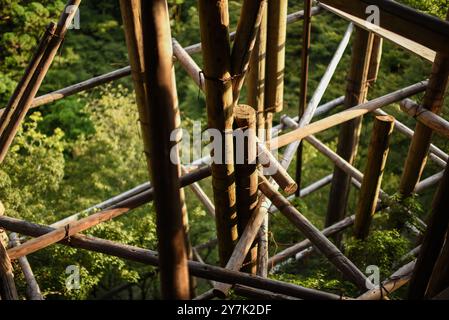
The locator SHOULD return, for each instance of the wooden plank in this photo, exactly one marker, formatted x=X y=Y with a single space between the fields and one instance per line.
x=397 y=18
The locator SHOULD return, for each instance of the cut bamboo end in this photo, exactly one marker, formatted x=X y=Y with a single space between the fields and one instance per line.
x=370 y=189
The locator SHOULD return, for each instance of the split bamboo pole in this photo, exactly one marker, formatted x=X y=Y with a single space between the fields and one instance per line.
x=372 y=178
x=432 y=241
x=33 y=292
x=246 y=176
x=426 y=117
x=334 y=255
x=305 y=59
x=376 y=56
x=214 y=25
x=245 y=37
x=162 y=119
x=440 y=274
x=28 y=94
x=433 y=101
x=356 y=92
x=151 y=257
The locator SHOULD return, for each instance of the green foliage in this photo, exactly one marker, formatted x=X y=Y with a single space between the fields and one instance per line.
x=382 y=248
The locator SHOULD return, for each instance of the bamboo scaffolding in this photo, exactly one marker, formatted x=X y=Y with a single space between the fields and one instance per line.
x=246 y=176
x=433 y=101
x=334 y=255
x=372 y=178
x=32 y=85
x=33 y=292
x=202 y=196
x=214 y=24
x=426 y=117
x=305 y=53
x=356 y=92
x=376 y=56
x=432 y=241
x=151 y=257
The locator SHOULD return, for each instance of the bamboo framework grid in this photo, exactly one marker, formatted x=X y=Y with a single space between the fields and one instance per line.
x=245 y=194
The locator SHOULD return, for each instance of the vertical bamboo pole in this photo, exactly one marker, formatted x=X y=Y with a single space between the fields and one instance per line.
x=372 y=178
x=7 y=286
x=440 y=275
x=245 y=38
x=26 y=99
x=214 y=26
x=349 y=133
x=246 y=176
x=162 y=119
x=306 y=30
x=432 y=241
x=256 y=76
x=376 y=57
x=419 y=148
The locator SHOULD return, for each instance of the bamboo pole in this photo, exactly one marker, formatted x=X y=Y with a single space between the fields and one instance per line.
x=372 y=178
x=356 y=91
x=246 y=176
x=440 y=274
x=54 y=42
x=426 y=117
x=393 y=283
x=376 y=56
x=214 y=24
x=275 y=59
x=8 y=289
x=247 y=29
x=433 y=101
x=162 y=119
x=256 y=76
x=429 y=182
x=33 y=291
x=334 y=255
x=305 y=53
x=151 y=257
x=188 y=64
x=346 y=115
x=432 y=241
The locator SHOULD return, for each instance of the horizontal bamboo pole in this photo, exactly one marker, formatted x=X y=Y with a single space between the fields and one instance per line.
x=429 y=182
x=347 y=115
x=258 y=294
x=33 y=292
x=150 y=257
x=425 y=116
x=347 y=268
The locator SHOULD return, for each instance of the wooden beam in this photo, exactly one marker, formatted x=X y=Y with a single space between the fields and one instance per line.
x=32 y=86
x=409 y=23
x=372 y=177
x=433 y=240
x=151 y=257
x=214 y=25
x=356 y=92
